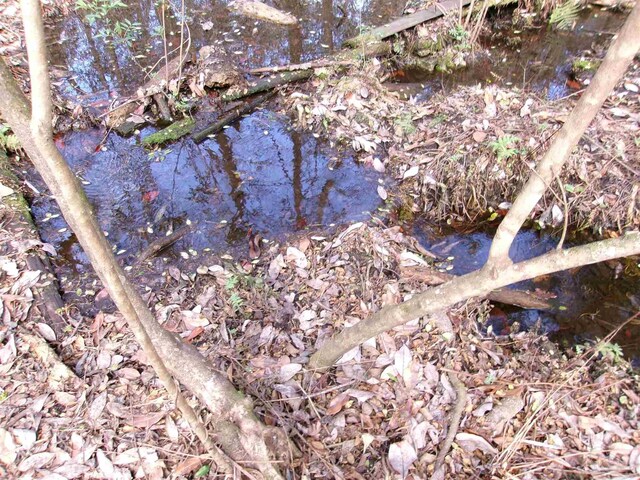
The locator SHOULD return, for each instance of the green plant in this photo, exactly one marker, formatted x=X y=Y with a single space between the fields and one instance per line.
x=8 y=141
x=438 y=119
x=460 y=37
x=405 y=123
x=232 y=282
x=582 y=64
x=564 y=16
x=236 y=301
x=609 y=350
x=505 y=147
x=98 y=13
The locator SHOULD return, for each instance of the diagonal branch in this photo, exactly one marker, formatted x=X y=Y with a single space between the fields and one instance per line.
x=475 y=284
x=618 y=58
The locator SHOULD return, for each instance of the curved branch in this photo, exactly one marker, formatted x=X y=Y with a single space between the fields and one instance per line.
x=475 y=284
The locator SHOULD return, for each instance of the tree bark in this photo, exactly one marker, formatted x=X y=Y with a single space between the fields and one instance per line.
x=238 y=431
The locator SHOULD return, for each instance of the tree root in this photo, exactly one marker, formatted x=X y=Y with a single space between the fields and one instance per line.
x=454 y=422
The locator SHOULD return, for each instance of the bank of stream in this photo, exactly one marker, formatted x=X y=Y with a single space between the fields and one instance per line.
x=262 y=179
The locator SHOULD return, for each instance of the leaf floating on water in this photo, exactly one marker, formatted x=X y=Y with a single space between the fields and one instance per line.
x=401 y=457
x=382 y=193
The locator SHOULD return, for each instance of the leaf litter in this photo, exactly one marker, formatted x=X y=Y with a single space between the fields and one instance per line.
x=94 y=409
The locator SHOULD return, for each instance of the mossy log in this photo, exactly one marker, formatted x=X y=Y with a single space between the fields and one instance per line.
x=173 y=132
x=267 y=83
x=46 y=292
x=231 y=117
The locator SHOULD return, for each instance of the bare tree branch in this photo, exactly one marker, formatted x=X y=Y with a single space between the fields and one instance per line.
x=615 y=63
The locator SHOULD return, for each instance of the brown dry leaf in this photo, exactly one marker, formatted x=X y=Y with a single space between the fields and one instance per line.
x=401 y=457
x=287 y=372
x=337 y=403
x=479 y=137
x=187 y=466
x=8 y=449
x=471 y=442
x=97 y=406
x=36 y=461
x=145 y=421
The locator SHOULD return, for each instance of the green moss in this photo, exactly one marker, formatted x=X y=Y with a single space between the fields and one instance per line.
x=172 y=132
x=16 y=201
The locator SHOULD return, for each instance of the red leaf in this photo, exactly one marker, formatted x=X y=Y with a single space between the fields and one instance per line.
x=150 y=196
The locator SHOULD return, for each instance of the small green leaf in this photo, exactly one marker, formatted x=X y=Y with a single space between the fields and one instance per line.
x=204 y=470
x=493 y=216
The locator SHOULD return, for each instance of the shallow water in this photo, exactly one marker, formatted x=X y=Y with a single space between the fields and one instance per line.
x=97 y=71
x=588 y=302
x=259 y=176
x=537 y=60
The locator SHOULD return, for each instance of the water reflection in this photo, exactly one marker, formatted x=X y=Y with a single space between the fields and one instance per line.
x=259 y=175
x=538 y=60
x=98 y=69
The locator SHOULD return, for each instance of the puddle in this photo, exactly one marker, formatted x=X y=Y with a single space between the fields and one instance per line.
x=536 y=60
x=259 y=175
x=589 y=301
x=94 y=70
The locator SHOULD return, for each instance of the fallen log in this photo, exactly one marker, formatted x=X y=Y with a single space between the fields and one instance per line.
x=301 y=66
x=172 y=132
x=267 y=83
x=403 y=23
x=46 y=291
x=508 y=296
x=231 y=117
x=261 y=11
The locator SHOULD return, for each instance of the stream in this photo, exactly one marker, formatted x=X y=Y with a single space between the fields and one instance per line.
x=262 y=176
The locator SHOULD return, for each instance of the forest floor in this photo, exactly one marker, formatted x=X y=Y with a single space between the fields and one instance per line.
x=96 y=410
x=88 y=406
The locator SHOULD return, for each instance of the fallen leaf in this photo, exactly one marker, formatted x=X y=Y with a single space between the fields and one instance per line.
x=8 y=452
x=382 y=193
x=401 y=457
x=479 y=137
x=470 y=442
x=287 y=372
x=378 y=166
x=6 y=191
x=411 y=172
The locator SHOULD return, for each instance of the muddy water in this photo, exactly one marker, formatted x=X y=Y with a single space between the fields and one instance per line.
x=588 y=302
x=537 y=60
